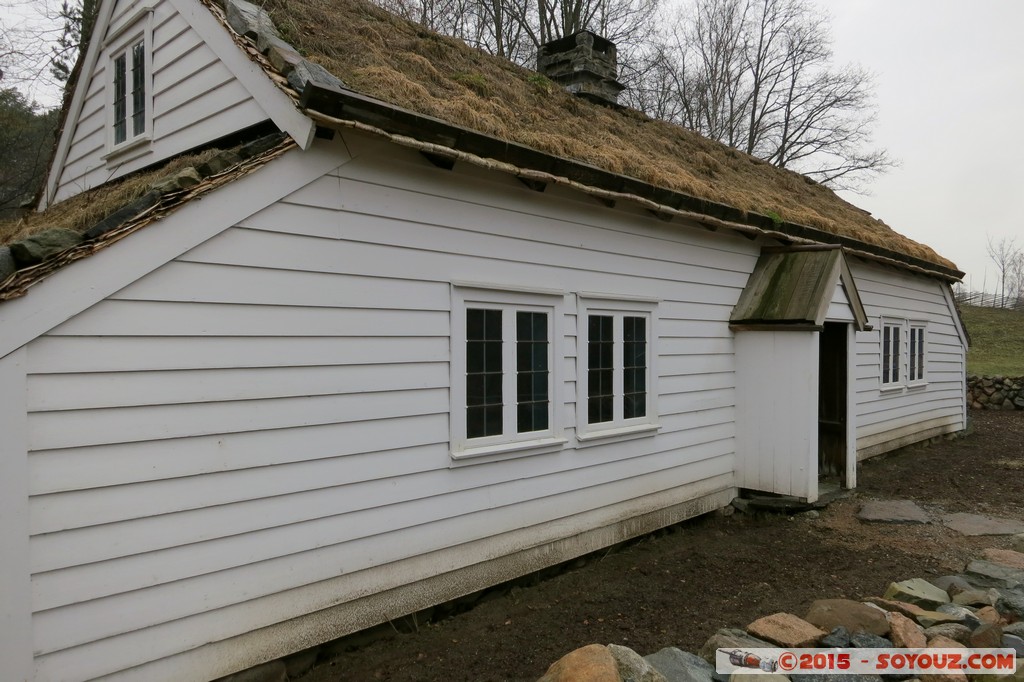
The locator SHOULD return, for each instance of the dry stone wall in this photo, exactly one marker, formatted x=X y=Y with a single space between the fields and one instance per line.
x=995 y=393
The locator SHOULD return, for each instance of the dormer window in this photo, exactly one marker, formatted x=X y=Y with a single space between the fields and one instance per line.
x=129 y=87
x=130 y=92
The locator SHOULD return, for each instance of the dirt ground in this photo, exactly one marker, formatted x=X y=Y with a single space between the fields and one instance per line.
x=677 y=587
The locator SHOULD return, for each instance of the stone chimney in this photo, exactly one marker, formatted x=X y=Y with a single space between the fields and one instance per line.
x=584 y=64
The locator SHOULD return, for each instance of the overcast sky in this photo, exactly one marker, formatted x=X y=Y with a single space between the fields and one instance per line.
x=949 y=76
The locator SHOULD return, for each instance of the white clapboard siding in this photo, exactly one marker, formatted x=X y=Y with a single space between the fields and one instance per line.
x=889 y=417
x=196 y=100
x=269 y=411
x=839 y=306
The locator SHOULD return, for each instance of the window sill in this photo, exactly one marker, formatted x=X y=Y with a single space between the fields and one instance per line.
x=500 y=451
x=617 y=434
x=139 y=145
x=891 y=388
x=917 y=386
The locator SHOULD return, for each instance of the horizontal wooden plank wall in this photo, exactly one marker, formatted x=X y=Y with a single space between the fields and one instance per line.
x=892 y=418
x=230 y=441
x=195 y=100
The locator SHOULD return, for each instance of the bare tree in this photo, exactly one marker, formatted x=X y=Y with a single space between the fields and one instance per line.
x=758 y=75
x=1005 y=254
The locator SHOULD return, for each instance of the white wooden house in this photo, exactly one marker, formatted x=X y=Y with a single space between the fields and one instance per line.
x=396 y=357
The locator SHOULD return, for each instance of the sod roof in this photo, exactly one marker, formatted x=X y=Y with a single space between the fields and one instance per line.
x=383 y=56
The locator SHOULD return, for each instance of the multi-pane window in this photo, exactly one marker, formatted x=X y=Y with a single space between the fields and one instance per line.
x=488 y=408
x=917 y=354
x=904 y=353
x=614 y=367
x=502 y=371
x=129 y=92
x=891 y=354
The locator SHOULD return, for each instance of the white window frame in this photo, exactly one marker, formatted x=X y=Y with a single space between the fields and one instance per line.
x=509 y=443
x=138 y=28
x=892 y=384
x=619 y=428
x=921 y=363
x=905 y=380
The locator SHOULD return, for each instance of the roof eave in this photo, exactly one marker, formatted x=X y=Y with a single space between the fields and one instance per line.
x=348 y=105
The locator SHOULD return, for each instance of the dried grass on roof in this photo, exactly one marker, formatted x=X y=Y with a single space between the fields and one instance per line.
x=84 y=210
x=381 y=55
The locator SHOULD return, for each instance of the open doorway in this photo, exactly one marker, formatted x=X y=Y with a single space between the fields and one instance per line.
x=832 y=407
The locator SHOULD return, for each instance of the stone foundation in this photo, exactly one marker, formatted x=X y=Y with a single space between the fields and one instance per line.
x=995 y=393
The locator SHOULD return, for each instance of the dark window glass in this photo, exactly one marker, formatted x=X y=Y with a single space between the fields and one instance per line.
x=483 y=373
x=886 y=332
x=600 y=369
x=895 y=354
x=531 y=371
x=921 y=353
x=138 y=89
x=916 y=354
x=120 y=89
x=634 y=367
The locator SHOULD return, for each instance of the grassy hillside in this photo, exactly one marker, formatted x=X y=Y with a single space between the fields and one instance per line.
x=997 y=341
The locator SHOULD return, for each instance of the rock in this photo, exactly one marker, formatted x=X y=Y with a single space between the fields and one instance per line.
x=300 y=663
x=219 y=163
x=1015 y=629
x=123 y=214
x=258 y=146
x=280 y=54
x=248 y=20
x=976 y=597
x=828 y=614
x=7 y=264
x=786 y=630
x=961 y=613
x=184 y=179
x=905 y=633
x=918 y=592
x=892 y=511
x=810 y=514
x=33 y=250
x=908 y=610
x=268 y=672
x=976 y=524
x=954 y=631
x=1005 y=557
x=952 y=584
x=592 y=663
x=729 y=638
x=929 y=618
x=306 y=71
x=941 y=642
x=988 y=614
x=632 y=666
x=987 y=636
x=1017 y=542
x=1010 y=605
x=987 y=574
x=839 y=638
x=1018 y=403
x=866 y=640
x=677 y=665
x=740 y=504
x=1014 y=642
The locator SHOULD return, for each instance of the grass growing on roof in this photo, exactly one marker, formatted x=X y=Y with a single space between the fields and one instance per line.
x=381 y=55
x=84 y=210
x=997 y=341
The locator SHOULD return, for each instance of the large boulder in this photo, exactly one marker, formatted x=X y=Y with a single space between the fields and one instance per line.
x=855 y=616
x=681 y=666
x=632 y=666
x=729 y=638
x=786 y=630
x=918 y=592
x=592 y=663
x=35 y=249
